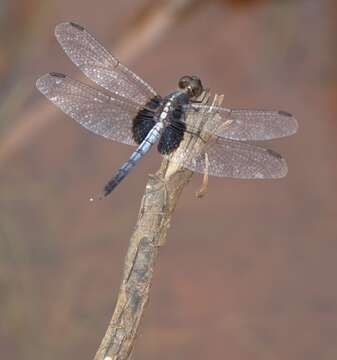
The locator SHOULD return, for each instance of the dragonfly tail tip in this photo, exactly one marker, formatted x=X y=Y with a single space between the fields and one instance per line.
x=97 y=197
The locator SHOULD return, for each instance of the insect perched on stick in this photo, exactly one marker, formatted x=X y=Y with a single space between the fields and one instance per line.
x=216 y=138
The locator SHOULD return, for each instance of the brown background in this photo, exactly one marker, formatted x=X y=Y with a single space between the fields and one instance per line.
x=249 y=272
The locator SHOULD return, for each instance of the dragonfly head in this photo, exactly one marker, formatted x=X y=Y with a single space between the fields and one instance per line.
x=192 y=84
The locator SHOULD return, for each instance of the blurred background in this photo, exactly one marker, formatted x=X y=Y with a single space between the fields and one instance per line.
x=248 y=272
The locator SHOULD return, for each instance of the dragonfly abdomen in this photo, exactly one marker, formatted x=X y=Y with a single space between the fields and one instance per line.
x=142 y=149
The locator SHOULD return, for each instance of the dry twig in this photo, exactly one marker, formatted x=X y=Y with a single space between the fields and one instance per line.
x=161 y=195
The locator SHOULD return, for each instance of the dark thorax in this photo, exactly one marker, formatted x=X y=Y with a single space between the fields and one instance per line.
x=173 y=117
x=169 y=111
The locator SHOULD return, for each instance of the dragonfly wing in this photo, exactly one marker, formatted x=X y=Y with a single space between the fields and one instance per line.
x=229 y=158
x=243 y=124
x=100 y=66
x=107 y=116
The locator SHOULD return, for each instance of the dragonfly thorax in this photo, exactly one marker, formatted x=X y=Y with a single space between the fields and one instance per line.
x=171 y=109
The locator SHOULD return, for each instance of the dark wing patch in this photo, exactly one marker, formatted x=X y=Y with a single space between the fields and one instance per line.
x=144 y=120
x=171 y=137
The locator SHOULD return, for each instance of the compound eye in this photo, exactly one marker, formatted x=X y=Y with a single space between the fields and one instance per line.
x=184 y=82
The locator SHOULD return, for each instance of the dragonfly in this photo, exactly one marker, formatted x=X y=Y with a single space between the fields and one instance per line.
x=216 y=140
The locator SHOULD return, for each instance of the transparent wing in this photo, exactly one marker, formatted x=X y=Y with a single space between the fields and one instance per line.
x=242 y=124
x=228 y=158
x=99 y=65
x=107 y=116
